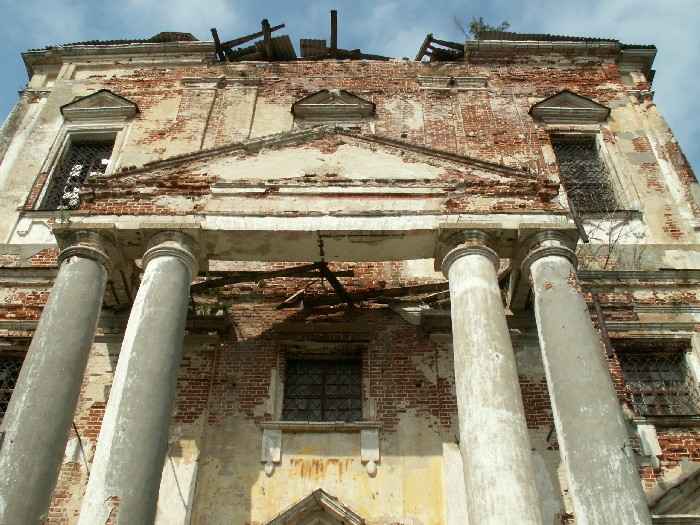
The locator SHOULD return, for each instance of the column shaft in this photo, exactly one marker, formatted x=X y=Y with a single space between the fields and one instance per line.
x=133 y=439
x=42 y=407
x=493 y=438
x=603 y=480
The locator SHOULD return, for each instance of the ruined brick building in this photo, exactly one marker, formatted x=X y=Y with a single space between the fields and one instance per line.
x=241 y=286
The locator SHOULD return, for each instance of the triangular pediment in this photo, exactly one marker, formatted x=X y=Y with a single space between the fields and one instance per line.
x=332 y=104
x=318 y=508
x=102 y=104
x=321 y=171
x=682 y=498
x=567 y=107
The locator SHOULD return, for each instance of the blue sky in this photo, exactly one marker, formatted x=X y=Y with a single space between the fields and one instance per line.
x=394 y=28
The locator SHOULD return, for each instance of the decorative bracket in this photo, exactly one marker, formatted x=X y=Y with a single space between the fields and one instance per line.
x=369 y=446
x=271 y=449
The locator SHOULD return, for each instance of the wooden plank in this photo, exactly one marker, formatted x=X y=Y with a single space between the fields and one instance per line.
x=335 y=283
x=424 y=47
x=450 y=45
x=247 y=277
x=379 y=293
x=247 y=38
x=217 y=44
x=267 y=39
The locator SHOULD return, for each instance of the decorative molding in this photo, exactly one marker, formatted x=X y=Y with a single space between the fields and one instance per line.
x=100 y=105
x=637 y=59
x=457 y=83
x=567 y=107
x=333 y=105
x=220 y=82
x=318 y=501
x=668 y=421
x=675 y=519
x=320 y=426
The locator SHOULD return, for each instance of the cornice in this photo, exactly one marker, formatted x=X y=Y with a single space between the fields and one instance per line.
x=57 y=55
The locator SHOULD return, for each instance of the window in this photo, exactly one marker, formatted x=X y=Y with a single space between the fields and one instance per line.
x=584 y=175
x=81 y=159
x=9 y=371
x=659 y=383
x=323 y=390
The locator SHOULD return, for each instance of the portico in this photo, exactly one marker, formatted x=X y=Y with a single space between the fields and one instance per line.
x=131 y=448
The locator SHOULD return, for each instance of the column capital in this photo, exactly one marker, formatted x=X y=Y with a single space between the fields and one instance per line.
x=174 y=244
x=463 y=243
x=547 y=243
x=88 y=245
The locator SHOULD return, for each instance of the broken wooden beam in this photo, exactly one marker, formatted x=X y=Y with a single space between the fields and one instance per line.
x=217 y=44
x=267 y=38
x=424 y=47
x=378 y=293
x=247 y=38
x=339 y=289
x=304 y=271
x=450 y=45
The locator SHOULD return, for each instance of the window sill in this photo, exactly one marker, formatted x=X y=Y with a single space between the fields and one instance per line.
x=320 y=426
x=669 y=421
x=611 y=215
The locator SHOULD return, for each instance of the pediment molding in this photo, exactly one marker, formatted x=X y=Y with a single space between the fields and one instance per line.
x=100 y=105
x=319 y=507
x=681 y=498
x=333 y=105
x=567 y=107
x=306 y=135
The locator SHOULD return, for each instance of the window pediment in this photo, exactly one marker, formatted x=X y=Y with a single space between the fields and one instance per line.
x=318 y=508
x=567 y=107
x=100 y=105
x=332 y=105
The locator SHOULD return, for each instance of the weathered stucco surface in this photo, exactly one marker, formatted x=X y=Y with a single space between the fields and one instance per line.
x=216 y=151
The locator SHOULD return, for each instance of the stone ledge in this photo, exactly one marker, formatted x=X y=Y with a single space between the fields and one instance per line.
x=669 y=421
x=320 y=426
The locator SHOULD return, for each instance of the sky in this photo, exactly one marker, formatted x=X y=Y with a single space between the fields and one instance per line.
x=392 y=28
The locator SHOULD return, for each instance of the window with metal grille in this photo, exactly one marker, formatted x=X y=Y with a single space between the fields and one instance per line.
x=81 y=160
x=584 y=175
x=323 y=390
x=9 y=371
x=659 y=383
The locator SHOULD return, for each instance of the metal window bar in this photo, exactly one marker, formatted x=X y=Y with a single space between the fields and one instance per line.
x=585 y=176
x=9 y=371
x=82 y=160
x=659 y=383
x=322 y=390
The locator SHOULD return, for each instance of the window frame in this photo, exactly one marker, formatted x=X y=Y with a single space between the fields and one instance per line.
x=692 y=373
x=71 y=133
x=20 y=360
x=604 y=158
x=622 y=190
x=352 y=357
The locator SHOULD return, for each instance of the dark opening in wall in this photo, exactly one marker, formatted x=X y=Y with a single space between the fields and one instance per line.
x=584 y=174
x=80 y=160
x=323 y=390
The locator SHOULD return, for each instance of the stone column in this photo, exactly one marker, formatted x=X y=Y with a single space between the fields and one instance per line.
x=133 y=439
x=42 y=407
x=493 y=438
x=604 y=484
